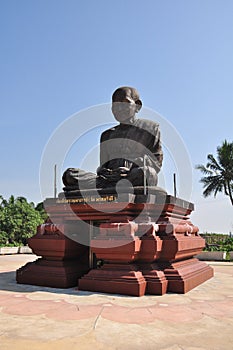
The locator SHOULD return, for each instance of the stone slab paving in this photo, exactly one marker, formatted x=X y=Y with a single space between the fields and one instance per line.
x=33 y=317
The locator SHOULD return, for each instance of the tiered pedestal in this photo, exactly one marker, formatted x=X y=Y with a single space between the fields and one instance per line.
x=118 y=246
x=62 y=260
x=145 y=247
x=184 y=275
x=181 y=242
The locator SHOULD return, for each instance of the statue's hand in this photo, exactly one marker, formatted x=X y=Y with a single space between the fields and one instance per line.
x=103 y=171
x=113 y=174
x=121 y=171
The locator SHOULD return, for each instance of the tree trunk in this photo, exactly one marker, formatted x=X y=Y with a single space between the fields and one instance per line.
x=230 y=191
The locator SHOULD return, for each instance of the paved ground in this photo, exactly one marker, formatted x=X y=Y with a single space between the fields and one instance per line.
x=46 y=318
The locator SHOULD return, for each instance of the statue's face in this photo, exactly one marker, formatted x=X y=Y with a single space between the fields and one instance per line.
x=123 y=106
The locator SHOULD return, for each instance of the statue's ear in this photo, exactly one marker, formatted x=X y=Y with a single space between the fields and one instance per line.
x=139 y=105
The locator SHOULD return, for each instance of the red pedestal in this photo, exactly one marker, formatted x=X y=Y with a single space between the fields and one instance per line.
x=115 y=278
x=184 y=275
x=139 y=256
x=51 y=273
x=180 y=240
x=119 y=248
x=63 y=260
x=156 y=282
x=151 y=249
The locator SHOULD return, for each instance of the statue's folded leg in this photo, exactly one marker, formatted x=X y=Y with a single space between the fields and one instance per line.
x=79 y=179
x=136 y=176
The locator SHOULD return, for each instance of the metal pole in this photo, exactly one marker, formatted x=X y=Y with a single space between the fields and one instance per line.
x=55 y=181
x=174 y=184
x=144 y=171
x=90 y=237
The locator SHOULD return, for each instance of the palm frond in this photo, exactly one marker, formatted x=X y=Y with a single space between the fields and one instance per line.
x=204 y=169
x=213 y=164
x=218 y=172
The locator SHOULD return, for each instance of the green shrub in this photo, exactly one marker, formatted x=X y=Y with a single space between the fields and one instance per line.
x=219 y=243
x=18 y=221
x=227 y=245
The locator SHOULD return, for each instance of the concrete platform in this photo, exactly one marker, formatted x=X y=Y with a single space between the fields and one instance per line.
x=46 y=318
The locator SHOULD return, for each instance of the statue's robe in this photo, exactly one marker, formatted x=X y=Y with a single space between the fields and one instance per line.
x=129 y=151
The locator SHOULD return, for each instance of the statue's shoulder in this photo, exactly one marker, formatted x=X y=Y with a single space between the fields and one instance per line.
x=107 y=133
x=146 y=124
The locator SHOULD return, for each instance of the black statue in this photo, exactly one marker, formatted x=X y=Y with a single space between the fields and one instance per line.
x=131 y=150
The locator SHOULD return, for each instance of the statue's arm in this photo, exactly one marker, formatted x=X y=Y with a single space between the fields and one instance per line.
x=104 y=157
x=156 y=150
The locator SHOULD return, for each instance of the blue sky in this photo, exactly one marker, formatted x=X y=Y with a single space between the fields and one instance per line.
x=59 y=57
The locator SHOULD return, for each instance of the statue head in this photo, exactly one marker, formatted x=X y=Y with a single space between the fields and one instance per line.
x=125 y=103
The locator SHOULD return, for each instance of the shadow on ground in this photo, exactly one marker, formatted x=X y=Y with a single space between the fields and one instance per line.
x=8 y=283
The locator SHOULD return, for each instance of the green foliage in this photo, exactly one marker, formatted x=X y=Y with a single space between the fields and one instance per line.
x=218 y=173
x=217 y=243
x=227 y=246
x=214 y=248
x=41 y=210
x=18 y=220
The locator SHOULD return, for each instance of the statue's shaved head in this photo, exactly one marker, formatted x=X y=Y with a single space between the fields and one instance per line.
x=125 y=103
x=125 y=91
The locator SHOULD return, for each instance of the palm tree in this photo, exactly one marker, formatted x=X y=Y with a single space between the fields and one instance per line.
x=219 y=172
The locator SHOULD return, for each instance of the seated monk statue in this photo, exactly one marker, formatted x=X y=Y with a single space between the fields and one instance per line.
x=130 y=150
